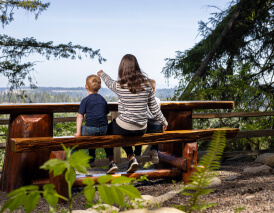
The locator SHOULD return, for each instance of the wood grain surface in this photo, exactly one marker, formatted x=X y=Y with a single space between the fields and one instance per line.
x=20 y=168
x=93 y=142
x=73 y=107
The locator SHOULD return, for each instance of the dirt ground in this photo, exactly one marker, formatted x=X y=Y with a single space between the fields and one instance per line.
x=238 y=191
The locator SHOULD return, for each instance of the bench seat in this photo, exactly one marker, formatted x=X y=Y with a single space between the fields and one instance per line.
x=185 y=163
x=106 y=141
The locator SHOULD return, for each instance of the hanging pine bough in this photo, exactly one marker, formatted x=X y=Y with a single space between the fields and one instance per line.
x=15 y=50
x=240 y=69
x=239 y=37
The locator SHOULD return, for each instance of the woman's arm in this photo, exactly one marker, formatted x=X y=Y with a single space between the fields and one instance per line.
x=110 y=83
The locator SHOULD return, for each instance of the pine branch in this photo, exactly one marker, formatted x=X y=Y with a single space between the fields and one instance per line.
x=7 y=7
x=202 y=69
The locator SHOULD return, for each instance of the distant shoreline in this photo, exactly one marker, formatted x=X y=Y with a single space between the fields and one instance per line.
x=65 y=94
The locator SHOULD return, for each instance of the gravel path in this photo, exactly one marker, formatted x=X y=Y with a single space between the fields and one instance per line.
x=255 y=193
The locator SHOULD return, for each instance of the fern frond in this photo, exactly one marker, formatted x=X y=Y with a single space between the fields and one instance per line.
x=203 y=175
x=210 y=161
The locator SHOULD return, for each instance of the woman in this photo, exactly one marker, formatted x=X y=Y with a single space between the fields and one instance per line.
x=134 y=95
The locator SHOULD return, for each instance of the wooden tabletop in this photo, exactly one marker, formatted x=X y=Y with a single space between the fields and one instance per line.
x=73 y=107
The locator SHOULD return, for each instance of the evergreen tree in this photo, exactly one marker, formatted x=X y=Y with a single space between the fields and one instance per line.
x=233 y=61
x=15 y=50
x=236 y=52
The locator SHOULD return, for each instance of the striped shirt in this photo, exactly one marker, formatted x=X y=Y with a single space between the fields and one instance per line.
x=132 y=108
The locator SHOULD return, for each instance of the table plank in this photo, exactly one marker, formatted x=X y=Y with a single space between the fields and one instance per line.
x=33 y=108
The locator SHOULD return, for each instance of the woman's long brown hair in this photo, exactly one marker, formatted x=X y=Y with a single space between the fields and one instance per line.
x=130 y=73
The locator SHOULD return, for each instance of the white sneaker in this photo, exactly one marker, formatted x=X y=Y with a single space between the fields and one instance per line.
x=154 y=156
x=132 y=166
x=112 y=168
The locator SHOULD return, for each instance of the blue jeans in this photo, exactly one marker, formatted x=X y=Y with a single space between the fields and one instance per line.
x=91 y=130
x=150 y=129
x=154 y=129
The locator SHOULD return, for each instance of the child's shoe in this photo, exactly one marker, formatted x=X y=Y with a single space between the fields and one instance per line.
x=112 y=168
x=154 y=156
x=132 y=166
x=92 y=164
x=139 y=159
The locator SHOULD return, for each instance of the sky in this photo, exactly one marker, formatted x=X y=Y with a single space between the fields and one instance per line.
x=152 y=30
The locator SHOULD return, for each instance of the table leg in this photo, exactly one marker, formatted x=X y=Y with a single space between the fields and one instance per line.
x=20 y=168
x=179 y=121
x=59 y=181
x=190 y=154
x=176 y=121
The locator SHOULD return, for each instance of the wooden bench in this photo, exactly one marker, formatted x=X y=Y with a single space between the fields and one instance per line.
x=185 y=165
x=34 y=122
x=93 y=142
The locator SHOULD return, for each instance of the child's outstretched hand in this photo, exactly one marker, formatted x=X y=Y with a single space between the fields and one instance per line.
x=77 y=135
x=99 y=73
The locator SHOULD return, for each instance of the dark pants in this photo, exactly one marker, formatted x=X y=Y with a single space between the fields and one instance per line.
x=154 y=129
x=115 y=129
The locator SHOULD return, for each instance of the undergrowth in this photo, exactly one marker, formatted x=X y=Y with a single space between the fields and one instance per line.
x=119 y=188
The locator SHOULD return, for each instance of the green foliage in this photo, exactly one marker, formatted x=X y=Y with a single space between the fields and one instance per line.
x=247 y=98
x=29 y=197
x=7 y=8
x=241 y=69
x=2 y=157
x=249 y=41
x=50 y=195
x=239 y=209
x=77 y=161
x=143 y=178
x=89 y=190
x=64 y=129
x=15 y=51
x=3 y=138
x=114 y=193
x=203 y=175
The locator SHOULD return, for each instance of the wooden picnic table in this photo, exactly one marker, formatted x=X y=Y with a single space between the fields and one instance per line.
x=36 y=120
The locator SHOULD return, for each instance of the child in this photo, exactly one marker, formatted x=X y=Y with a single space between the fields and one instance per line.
x=134 y=95
x=153 y=126
x=96 y=109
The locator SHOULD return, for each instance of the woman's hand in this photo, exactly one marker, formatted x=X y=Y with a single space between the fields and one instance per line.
x=99 y=73
x=164 y=128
